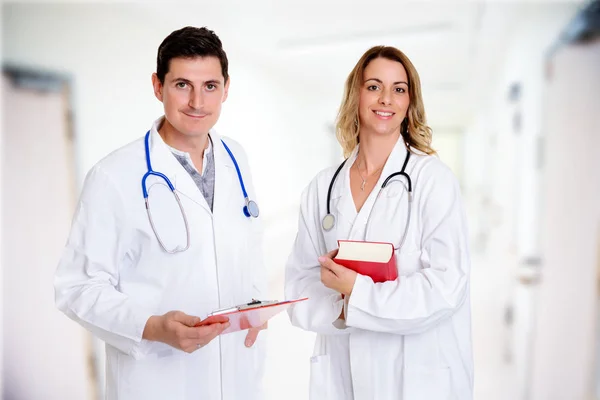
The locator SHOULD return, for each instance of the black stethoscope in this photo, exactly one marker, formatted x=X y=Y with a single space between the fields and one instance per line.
x=328 y=221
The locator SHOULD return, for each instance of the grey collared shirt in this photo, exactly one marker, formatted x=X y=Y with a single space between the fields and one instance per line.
x=204 y=180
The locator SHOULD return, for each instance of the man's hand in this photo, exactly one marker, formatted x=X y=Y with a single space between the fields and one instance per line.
x=253 y=334
x=177 y=329
x=335 y=276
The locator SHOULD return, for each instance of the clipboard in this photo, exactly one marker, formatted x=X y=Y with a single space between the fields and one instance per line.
x=250 y=315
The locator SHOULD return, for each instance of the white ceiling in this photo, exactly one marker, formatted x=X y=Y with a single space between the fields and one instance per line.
x=438 y=40
x=456 y=46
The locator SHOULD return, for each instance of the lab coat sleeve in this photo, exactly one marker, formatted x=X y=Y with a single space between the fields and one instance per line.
x=414 y=303
x=321 y=311
x=87 y=276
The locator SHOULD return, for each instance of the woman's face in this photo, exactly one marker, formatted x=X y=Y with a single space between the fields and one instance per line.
x=384 y=97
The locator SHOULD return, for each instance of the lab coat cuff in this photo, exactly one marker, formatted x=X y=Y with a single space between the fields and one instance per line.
x=338 y=306
x=358 y=298
x=140 y=346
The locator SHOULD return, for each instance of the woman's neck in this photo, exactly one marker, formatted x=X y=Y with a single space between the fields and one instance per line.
x=374 y=150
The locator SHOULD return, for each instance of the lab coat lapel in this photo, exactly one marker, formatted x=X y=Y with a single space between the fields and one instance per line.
x=394 y=163
x=395 y=191
x=164 y=161
x=225 y=178
x=341 y=195
x=225 y=219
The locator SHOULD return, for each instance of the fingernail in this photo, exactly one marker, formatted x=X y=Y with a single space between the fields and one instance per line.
x=322 y=259
x=248 y=342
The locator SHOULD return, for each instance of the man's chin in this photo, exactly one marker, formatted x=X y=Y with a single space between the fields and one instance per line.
x=195 y=130
x=195 y=134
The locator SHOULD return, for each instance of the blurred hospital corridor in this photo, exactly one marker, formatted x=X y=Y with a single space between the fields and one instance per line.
x=512 y=94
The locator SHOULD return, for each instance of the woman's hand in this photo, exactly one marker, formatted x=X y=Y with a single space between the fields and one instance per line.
x=335 y=276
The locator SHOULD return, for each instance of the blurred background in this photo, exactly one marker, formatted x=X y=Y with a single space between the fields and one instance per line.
x=511 y=90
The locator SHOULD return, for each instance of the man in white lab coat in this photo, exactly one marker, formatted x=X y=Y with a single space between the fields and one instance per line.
x=143 y=264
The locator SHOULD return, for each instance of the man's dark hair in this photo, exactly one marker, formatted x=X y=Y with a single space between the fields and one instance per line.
x=190 y=42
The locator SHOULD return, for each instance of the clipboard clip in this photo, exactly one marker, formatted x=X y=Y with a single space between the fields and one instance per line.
x=253 y=304
x=256 y=304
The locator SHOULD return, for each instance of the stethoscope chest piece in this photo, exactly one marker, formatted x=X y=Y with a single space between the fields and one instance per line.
x=251 y=209
x=328 y=222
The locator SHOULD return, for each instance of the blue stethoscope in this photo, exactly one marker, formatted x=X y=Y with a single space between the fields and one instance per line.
x=250 y=208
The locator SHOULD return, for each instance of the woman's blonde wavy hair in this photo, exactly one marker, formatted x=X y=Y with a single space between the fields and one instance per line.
x=414 y=128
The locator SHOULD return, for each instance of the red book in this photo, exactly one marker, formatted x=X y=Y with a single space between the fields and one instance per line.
x=374 y=259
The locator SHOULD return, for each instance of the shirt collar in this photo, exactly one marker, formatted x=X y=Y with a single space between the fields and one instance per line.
x=184 y=154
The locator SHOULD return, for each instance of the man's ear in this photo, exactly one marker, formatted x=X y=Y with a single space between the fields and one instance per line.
x=226 y=89
x=158 y=87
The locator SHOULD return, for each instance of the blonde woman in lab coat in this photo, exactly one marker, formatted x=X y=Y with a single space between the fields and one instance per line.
x=405 y=339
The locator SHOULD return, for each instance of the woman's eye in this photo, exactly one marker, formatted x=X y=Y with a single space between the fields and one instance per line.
x=372 y=87
x=400 y=90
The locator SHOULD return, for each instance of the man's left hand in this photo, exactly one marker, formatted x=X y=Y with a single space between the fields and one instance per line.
x=253 y=334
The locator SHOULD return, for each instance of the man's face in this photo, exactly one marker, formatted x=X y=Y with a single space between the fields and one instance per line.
x=192 y=94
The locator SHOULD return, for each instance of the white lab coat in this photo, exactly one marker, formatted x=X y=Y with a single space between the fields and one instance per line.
x=113 y=275
x=407 y=339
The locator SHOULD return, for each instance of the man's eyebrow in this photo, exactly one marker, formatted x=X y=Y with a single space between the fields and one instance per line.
x=210 y=81
x=181 y=80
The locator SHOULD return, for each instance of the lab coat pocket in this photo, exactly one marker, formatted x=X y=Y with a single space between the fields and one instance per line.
x=427 y=383
x=320 y=377
x=151 y=378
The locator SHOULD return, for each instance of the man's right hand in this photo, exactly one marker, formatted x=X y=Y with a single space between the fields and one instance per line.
x=177 y=329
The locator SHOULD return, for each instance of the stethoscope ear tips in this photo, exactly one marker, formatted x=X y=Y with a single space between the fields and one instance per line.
x=328 y=222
